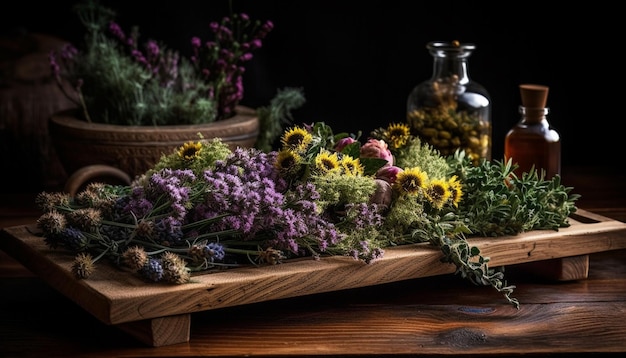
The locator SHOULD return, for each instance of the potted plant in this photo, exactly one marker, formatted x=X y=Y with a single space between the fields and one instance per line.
x=136 y=101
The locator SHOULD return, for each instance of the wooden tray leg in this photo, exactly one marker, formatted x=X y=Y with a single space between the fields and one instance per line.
x=160 y=331
x=561 y=269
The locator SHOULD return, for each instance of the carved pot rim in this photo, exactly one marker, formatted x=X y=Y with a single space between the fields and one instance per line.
x=244 y=124
x=134 y=149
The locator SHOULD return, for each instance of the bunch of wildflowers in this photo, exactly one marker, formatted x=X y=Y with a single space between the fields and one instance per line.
x=118 y=79
x=220 y=61
x=174 y=221
x=206 y=207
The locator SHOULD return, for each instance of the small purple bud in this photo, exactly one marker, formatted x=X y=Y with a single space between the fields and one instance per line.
x=344 y=142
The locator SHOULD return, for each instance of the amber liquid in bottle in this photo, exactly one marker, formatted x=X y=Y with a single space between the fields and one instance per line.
x=533 y=143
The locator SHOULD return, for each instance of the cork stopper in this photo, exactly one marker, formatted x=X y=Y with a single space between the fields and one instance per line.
x=534 y=96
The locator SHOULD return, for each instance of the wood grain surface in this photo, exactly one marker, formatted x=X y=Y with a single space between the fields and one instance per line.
x=427 y=316
x=433 y=316
x=116 y=296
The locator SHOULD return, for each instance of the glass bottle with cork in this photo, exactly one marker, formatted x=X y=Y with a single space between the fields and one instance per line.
x=532 y=142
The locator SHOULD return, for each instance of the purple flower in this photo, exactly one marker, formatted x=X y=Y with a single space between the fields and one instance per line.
x=221 y=60
x=365 y=253
x=153 y=270
x=117 y=31
x=153 y=49
x=388 y=173
x=169 y=231
x=365 y=215
x=213 y=251
x=73 y=238
x=139 y=207
x=344 y=142
x=205 y=89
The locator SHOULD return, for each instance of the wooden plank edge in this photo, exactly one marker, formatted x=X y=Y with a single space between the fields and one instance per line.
x=161 y=331
x=291 y=279
x=251 y=285
x=563 y=269
x=58 y=277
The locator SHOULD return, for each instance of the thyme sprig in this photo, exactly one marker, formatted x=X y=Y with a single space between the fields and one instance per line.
x=498 y=203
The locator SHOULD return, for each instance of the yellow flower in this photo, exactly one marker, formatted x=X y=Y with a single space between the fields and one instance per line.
x=287 y=160
x=397 y=135
x=327 y=163
x=190 y=150
x=437 y=193
x=411 y=181
x=296 y=139
x=456 y=192
x=351 y=166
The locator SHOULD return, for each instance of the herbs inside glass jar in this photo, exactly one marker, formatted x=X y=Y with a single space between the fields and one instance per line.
x=450 y=111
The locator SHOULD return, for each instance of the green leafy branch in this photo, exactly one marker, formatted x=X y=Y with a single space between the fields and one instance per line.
x=498 y=203
x=448 y=234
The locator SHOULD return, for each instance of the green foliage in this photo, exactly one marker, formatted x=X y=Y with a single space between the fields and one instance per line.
x=422 y=155
x=213 y=150
x=340 y=190
x=277 y=115
x=117 y=78
x=112 y=86
x=496 y=202
x=118 y=90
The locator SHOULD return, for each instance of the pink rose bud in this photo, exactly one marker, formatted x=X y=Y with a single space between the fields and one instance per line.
x=344 y=142
x=375 y=148
x=388 y=173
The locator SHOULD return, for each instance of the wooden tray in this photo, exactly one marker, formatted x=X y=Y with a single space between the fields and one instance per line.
x=160 y=314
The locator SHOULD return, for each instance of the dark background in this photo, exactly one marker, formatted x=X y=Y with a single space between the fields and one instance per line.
x=358 y=61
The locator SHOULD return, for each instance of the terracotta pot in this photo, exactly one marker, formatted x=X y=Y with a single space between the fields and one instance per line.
x=91 y=150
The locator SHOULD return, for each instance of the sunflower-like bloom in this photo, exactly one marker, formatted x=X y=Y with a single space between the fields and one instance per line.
x=351 y=166
x=288 y=161
x=411 y=181
x=190 y=150
x=296 y=139
x=327 y=163
x=397 y=135
x=456 y=192
x=437 y=193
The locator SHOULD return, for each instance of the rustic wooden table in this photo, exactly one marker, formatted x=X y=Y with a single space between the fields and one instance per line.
x=433 y=316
